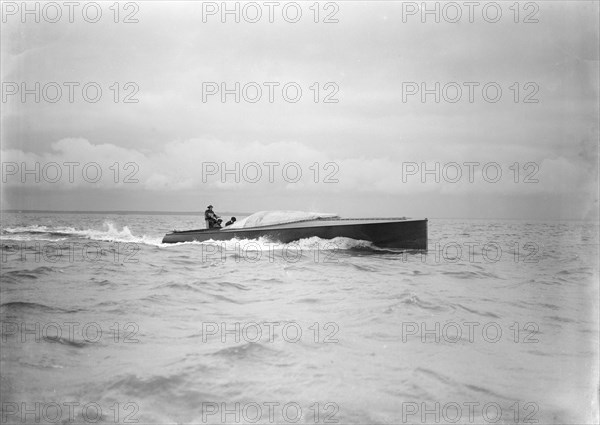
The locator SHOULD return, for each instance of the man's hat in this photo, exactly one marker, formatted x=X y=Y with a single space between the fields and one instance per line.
x=210 y=206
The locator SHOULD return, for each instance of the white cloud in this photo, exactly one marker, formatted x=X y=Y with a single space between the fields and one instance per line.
x=290 y=165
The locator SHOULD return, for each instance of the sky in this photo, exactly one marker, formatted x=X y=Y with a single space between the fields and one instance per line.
x=356 y=108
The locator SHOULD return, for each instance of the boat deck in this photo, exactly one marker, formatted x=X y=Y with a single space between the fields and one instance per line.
x=323 y=222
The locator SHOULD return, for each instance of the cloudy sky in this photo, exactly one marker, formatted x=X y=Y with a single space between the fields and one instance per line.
x=513 y=133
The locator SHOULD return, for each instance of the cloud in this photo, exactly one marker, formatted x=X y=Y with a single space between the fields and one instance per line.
x=166 y=139
x=264 y=167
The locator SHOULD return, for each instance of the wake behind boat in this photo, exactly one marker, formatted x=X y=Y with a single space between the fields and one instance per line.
x=400 y=233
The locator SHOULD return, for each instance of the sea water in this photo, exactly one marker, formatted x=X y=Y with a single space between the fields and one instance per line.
x=101 y=323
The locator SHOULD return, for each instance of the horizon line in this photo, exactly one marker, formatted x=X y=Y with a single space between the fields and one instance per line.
x=18 y=210
x=158 y=212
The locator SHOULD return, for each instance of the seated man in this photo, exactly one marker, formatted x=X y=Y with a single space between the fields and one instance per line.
x=212 y=220
x=230 y=222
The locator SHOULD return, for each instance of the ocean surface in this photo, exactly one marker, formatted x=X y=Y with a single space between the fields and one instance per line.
x=101 y=323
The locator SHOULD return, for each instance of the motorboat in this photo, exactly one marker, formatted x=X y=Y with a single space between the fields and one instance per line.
x=402 y=233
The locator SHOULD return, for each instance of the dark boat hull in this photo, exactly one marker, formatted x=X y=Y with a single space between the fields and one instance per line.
x=403 y=234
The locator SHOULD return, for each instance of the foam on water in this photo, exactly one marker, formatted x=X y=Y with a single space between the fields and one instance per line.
x=109 y=233
x=27 y=238
x=264 y=244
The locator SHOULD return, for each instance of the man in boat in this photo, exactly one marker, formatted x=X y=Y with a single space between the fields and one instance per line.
x=212 y=220
x=230 y=222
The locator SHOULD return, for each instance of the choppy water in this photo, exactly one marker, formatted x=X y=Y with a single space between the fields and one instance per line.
x=497 y=323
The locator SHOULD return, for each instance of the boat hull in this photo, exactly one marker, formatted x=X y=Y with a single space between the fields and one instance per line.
x=403 y=234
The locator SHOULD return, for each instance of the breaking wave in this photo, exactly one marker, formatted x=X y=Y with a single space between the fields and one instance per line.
x=264 y=244
x=109 y=233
